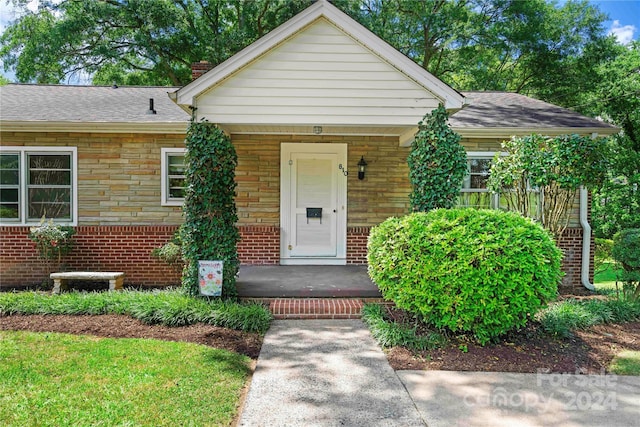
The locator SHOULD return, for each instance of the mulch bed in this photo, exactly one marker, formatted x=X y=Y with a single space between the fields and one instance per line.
x=116 y=326
x=588 y=351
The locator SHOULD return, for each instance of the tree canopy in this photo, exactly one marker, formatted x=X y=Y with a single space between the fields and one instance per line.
x=134 y=41
x=617 y=99
x=533 y=47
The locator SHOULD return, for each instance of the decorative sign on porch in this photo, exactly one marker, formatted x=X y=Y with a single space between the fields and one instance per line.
x=210 y=278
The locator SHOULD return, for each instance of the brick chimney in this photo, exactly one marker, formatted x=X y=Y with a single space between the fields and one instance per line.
x=199 y=68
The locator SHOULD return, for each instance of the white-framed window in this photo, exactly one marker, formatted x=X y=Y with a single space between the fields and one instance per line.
x=38 y=182
x=173 y=179
x=474 y=192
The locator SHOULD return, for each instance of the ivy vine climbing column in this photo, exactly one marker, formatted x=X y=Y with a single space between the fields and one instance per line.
x=209 y=231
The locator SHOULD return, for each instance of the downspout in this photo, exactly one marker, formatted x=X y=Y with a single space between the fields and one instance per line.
x=586 y=239
x=586 y=235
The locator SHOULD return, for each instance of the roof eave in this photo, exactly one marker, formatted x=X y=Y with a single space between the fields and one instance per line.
x=509 y=132
x=95 y=127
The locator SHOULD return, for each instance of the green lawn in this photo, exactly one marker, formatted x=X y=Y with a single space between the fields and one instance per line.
x=50 y=379
x=626 y=363
x=605 y=278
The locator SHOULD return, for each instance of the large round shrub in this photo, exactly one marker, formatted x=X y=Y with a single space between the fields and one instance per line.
x=467 y=270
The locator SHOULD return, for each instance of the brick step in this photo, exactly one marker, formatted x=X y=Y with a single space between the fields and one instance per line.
x=315 y=308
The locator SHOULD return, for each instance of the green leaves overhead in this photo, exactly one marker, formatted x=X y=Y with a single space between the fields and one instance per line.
x=156 y=40
x=617 y=98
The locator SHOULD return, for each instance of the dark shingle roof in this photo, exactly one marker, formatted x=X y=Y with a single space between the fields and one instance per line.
x=129 y=104
x=512 y=110
x=88 y=104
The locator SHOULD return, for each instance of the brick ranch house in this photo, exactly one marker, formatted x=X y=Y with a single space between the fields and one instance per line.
x=303 y=105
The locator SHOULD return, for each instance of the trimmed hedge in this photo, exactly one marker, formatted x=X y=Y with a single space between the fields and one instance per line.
x=479 y=271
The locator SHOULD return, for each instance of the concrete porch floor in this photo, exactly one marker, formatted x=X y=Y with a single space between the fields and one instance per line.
x=309 y=291
x=305 y=281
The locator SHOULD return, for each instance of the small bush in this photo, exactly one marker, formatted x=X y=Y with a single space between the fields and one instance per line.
x=602 y=254
x=626 y=251
x=389 y=334
x=562 y=318
x=171 y=253
x=53 y=242
x=479 y=271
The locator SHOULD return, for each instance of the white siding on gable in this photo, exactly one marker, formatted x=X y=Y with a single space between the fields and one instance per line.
x=319 y=76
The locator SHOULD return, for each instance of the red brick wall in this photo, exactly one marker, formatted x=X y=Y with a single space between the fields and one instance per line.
x=571 y=244
x=96 y=248
x=259 y=245
x=357 y=245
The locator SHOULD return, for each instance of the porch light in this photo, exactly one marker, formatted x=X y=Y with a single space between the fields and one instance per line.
x=361 y=168
x=317 y=130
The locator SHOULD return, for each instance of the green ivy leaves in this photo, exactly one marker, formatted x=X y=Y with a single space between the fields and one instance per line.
x=209 y=231
x=437 y=164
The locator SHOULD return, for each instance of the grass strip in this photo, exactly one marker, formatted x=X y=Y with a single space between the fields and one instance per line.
x=626 y=362
x=165 y=307
x=50 y=379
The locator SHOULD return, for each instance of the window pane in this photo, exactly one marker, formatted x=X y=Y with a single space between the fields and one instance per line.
x=49 y=161
x=478 y=174
x=480 y=166
x=479 y=181
x=9 y=195
x=9 y=177
x=49 y=177
x=49 y=202
x=176 y=165
x=475 y=200
x=176 y=180
x=9 y=186
x=8 y=211
x=9 y=207
x=176 y=193
x=9 y=161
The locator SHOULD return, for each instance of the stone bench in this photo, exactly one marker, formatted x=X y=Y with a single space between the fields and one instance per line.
x=60 y=280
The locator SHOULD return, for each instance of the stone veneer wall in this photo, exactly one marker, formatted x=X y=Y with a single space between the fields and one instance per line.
x=121 y=218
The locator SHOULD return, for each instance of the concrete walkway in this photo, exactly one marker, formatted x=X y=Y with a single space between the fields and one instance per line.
x=498 y=399
x=332 y=373
x=325 y=373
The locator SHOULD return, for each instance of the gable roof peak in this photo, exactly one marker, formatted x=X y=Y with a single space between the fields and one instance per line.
x=452 y=99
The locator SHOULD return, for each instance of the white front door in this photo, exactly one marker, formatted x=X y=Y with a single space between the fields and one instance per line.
x=313 y=203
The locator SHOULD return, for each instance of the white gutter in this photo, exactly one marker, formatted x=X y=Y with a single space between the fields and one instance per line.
x=586 y=239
